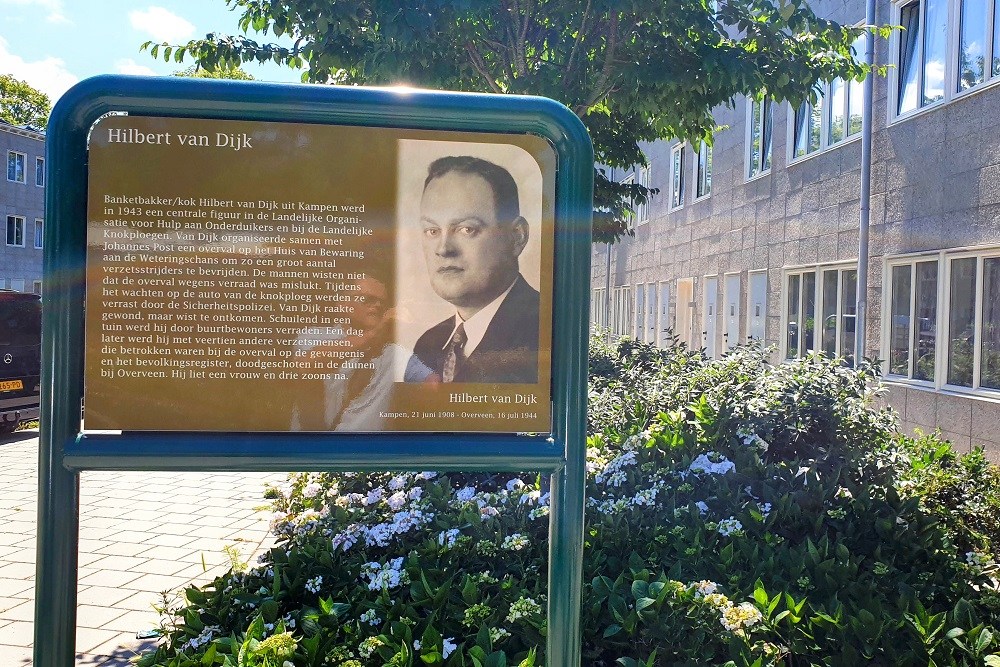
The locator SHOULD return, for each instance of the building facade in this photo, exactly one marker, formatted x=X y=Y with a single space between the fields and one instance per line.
x=758 y=236
x=22 y=208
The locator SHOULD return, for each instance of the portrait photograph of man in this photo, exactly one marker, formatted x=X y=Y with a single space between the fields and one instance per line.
x=469 y=298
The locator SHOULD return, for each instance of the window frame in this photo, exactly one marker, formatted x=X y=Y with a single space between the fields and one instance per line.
x=886 y=328
x=696 y=159
x=826 y=116
x=11 y=153
x=841 y=267
x=677 y=189
x=951 y=68
x=945 y=322
x=36 y=287
x=14 y=219
x=642 y=177
x=40 y=172
x=39 y=230
x=942 y=362
x=748 y=167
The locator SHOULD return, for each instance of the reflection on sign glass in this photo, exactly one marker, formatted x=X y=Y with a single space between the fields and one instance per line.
x=247 y=276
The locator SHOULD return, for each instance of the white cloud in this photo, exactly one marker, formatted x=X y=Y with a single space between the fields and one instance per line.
x=162 y=25
x=48 y=75
x=53 y=7
x=129 y=66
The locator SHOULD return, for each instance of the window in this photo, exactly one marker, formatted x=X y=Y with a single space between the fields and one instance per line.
x=834 y=117
x=15 y=231
x=36 y=287
x=16 y=166
x=39 y=235
x=759 y=136
x=598 y=309
x=912 y=324
x=642 y=210
x=973 y=322
x=946 y=48
x=820 y=311
x=703 y=171
x=40 y=172
x=677 y=176
x=17 y=284
x=621 y=311
x=951 y=297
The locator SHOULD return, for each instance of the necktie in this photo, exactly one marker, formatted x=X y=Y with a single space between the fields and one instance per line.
x=453 y=354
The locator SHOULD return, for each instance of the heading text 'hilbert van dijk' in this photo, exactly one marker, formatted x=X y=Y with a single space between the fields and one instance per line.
x=130 y=135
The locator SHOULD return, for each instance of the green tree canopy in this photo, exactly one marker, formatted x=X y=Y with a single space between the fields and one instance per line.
x=220 y=72
x=21 y=104
x=633 y=70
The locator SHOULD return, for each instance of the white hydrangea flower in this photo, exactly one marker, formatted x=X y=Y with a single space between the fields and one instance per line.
x=385 y=576
x=313 y=584
x=702 y=506
x=396 y=501
x=741 y=617
x=428 y=474
x=397 y=483
x=465 y=495
x=704 y=464
x=370 y=617
x=704 y=587
x=522 y=608
x=374 y=496
x=729 y=526
x=614 y=472
x=448 y=647
x=515 y=542
x=530 y=497
x=515 y=483
x=447 y=538
x=311 y=490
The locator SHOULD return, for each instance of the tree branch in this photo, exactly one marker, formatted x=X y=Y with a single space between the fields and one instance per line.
x=480 y=66
x=601 y=86
x=576 y=43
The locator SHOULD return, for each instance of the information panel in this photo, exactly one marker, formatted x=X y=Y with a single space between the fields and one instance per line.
x=247 y=276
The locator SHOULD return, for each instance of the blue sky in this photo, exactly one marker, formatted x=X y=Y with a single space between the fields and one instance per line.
x=52 y=44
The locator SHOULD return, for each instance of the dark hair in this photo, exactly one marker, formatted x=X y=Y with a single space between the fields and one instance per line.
x=499 y=179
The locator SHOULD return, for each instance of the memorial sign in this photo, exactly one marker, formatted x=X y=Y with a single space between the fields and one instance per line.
x=246 y=276
x=272 y=276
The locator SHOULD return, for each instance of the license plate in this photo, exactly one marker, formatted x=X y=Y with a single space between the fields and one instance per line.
x=11 y=385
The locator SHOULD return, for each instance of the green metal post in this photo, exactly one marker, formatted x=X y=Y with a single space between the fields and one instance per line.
x=62 y=384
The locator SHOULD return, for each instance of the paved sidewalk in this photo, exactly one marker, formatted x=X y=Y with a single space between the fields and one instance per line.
x=140 y=533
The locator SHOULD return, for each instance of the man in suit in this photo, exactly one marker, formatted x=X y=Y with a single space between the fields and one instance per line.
x=472 y=236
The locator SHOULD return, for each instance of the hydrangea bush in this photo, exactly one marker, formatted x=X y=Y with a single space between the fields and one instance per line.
x=738 y=513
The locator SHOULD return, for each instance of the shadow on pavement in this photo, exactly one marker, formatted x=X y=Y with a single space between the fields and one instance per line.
x=120 y=657
x=18 y=436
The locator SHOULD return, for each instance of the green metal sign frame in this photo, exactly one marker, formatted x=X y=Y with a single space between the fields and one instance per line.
x=65 y=451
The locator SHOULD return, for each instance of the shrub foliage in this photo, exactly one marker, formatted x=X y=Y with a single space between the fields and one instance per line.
x=738 y=513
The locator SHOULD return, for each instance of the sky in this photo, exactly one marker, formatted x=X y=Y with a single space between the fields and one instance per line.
x=52 y=44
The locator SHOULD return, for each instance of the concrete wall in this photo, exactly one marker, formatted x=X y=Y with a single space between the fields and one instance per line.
x=935 y=186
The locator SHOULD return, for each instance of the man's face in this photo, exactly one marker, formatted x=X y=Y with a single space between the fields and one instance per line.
x=471 y=256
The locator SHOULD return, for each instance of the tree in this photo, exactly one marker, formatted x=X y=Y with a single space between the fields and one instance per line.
x=21 y=104
x=220 y=72
x=633 y=70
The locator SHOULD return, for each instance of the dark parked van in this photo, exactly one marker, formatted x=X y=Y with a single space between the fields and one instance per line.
x=20 y=358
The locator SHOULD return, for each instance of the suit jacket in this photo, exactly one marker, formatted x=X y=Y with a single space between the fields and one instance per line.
x=508 y=351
